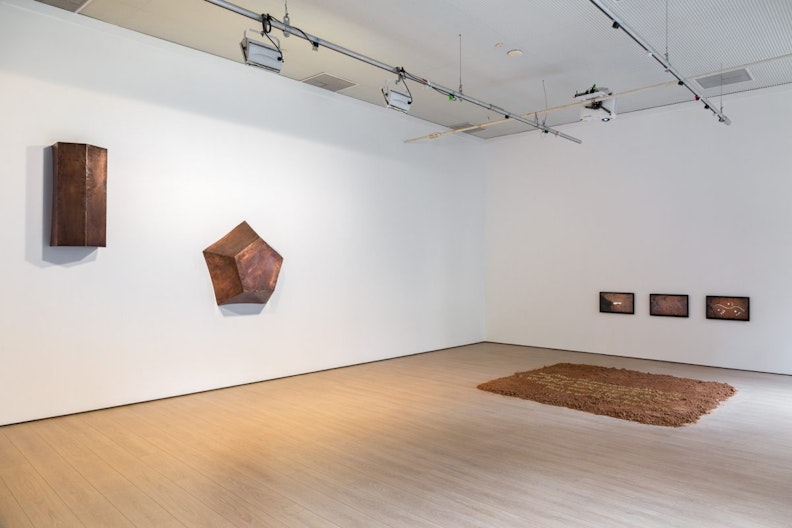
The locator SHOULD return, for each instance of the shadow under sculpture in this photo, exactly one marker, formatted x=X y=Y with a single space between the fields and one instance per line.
x=243 y=268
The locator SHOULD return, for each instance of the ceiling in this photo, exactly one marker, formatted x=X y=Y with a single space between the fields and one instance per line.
x=566 y=48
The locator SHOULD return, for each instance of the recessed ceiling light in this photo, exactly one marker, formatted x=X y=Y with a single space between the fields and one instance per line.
x=514 y=53
x=499 y=44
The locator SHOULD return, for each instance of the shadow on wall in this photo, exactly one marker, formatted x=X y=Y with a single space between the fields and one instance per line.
x=38 y=222
x=232 y=310
x=237 y=310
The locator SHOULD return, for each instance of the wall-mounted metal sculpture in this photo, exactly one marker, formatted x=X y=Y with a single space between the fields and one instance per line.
x=243 y=268
x=79 y=195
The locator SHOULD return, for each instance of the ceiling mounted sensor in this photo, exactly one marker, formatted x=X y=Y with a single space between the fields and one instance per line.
x=725 y=78
x=329 y=82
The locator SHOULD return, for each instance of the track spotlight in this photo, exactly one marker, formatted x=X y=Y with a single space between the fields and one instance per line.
x=616 y=25
x=262 y=55
x=395 y=99
x=271 y=57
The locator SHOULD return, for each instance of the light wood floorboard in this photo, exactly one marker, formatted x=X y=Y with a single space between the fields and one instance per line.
x=408 y=442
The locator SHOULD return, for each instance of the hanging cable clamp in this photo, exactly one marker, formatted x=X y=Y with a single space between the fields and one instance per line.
x=266 y=24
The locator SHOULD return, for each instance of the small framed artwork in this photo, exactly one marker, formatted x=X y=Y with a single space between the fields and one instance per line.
x=668 y=305
x=729 y=308
x=617 y=302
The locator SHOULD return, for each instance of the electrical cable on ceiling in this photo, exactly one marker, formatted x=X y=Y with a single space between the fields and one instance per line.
x=266 y=29
x=666 y=31
x=460 y=63
x=721 y=88
x=544 y=118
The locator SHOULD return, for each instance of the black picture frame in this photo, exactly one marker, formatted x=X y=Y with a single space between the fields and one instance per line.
x=728 y=307
x=617 y=302
x=669 y=305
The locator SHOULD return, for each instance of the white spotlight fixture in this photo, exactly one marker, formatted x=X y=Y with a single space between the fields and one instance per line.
x=395 y=99
x=262 y=55
x=597 y=104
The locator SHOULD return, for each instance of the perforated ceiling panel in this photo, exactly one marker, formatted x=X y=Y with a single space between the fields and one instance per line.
x=704 y=37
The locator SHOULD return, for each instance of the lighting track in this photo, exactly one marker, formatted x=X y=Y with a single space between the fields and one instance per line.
x=576 y=104
x=618 y=23
x=481 y=126
x=317 y=42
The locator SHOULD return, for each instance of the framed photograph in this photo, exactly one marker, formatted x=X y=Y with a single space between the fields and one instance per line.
x=729 y=308
x=617 y=302
x=668 y=305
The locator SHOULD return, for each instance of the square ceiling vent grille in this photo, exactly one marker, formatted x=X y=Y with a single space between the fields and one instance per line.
x=725 y=78
x=68 y=5
x=467 y=124
x=329 y=82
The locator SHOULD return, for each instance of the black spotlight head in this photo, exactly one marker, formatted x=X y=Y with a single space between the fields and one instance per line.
x=706 y=107
x=615 y=25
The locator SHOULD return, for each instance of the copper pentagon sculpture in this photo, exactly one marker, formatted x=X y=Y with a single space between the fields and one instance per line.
x=243 y=267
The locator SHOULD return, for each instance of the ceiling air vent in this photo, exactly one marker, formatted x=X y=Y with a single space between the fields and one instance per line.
x=68 y=5
x=459 y=126
x=329 y=82
x=725 y=78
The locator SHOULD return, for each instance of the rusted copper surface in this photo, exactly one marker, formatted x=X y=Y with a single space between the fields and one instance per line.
x=79 y=195
x=243 y=268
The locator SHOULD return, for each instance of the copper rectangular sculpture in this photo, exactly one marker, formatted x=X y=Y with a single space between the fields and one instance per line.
x=79 y=195
x=243 y=268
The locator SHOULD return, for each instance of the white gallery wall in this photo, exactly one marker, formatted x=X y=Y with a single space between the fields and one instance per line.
x=664 y=201
x=382 y=241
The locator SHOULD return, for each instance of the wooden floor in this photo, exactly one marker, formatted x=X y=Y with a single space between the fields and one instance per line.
x=408 y=442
